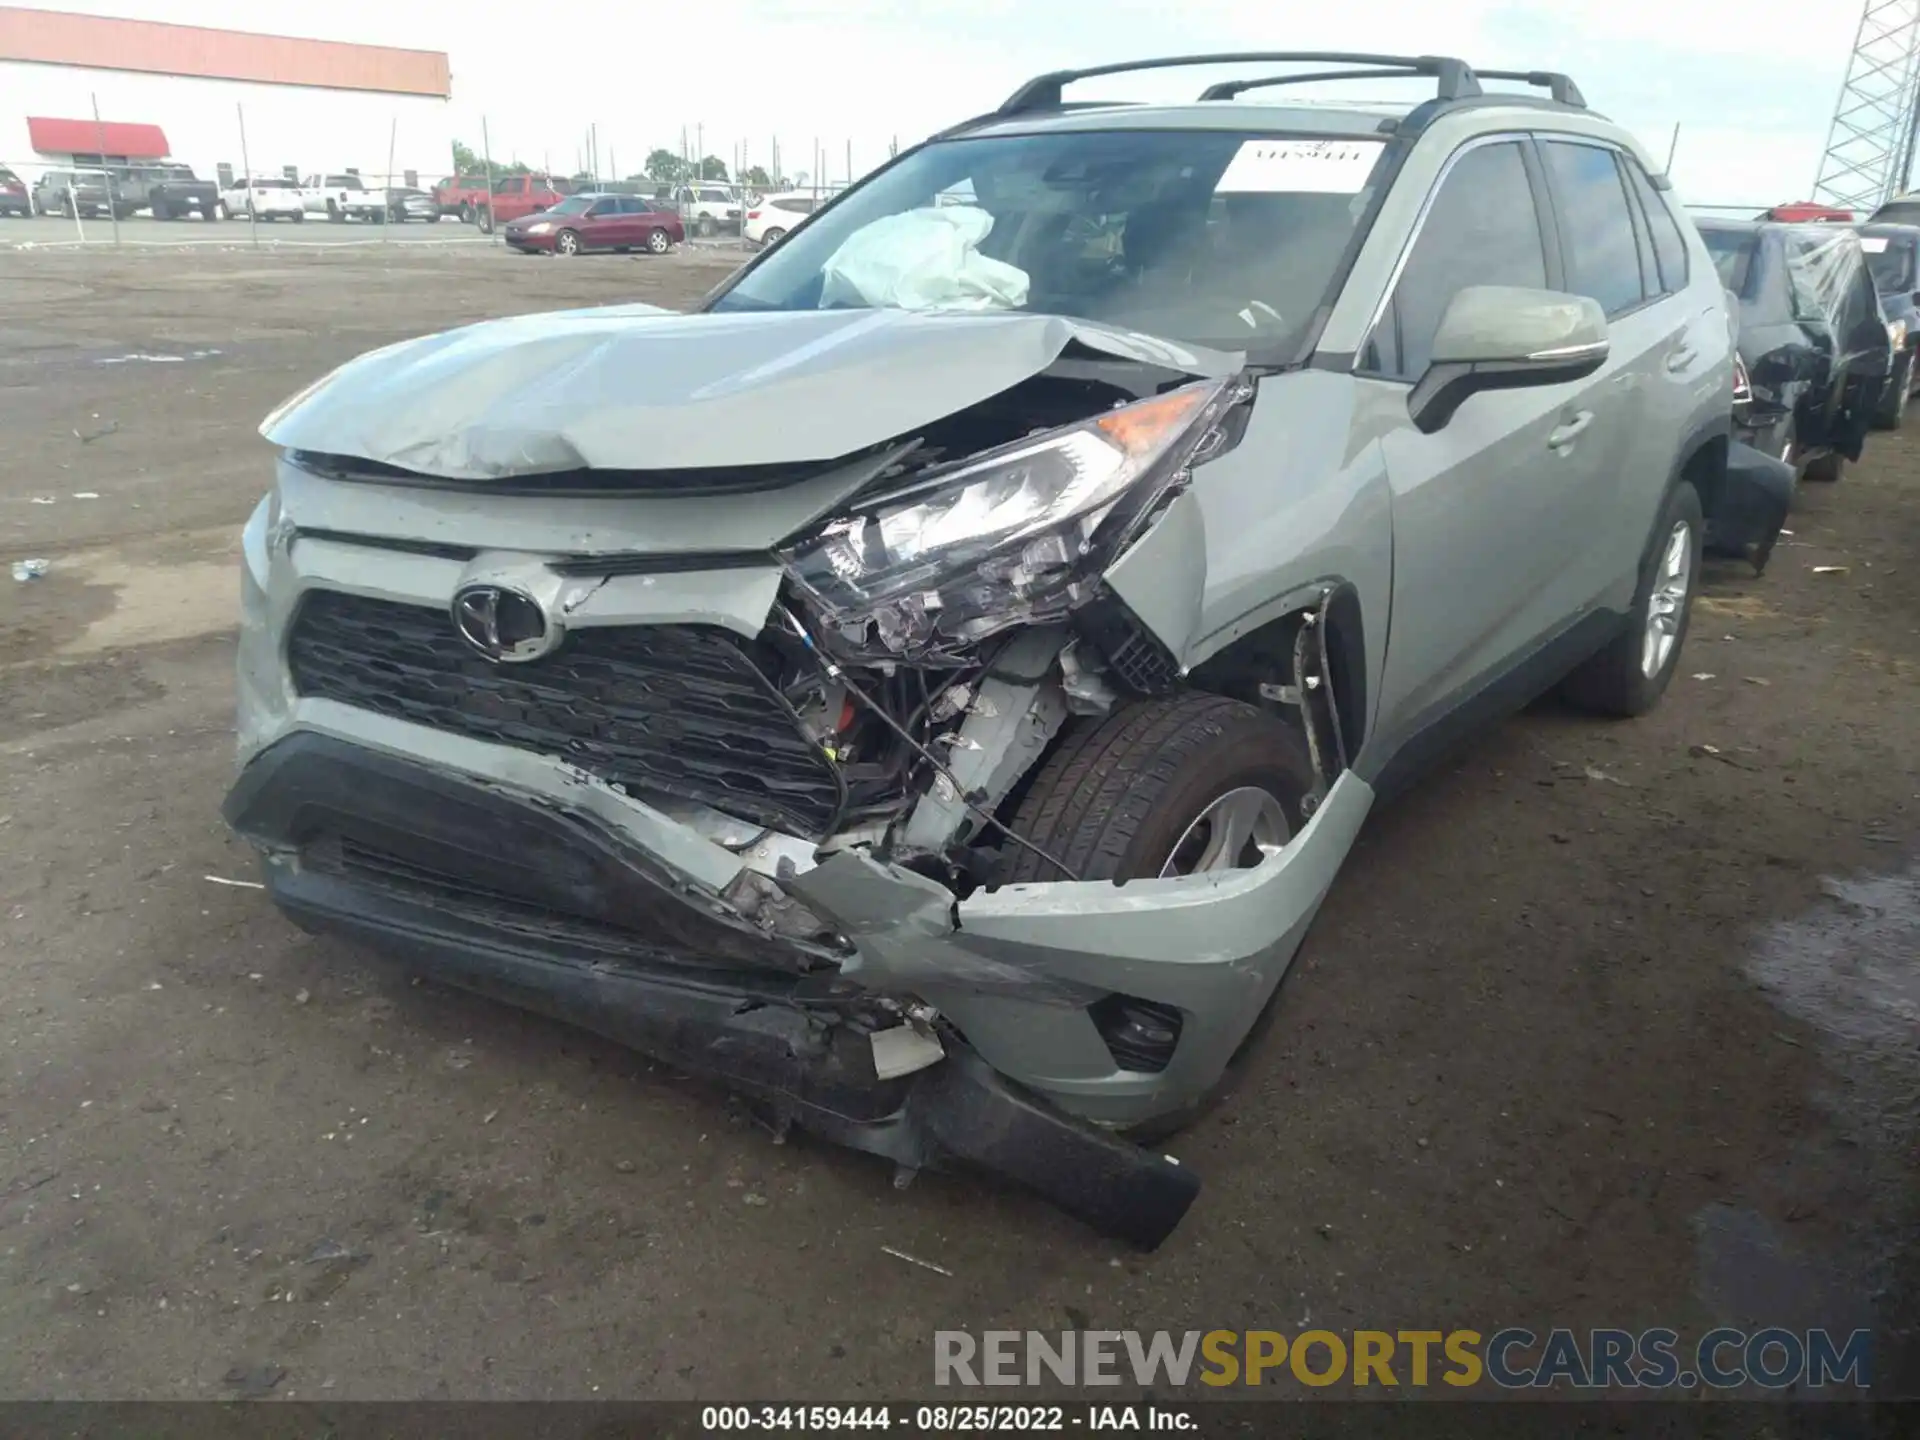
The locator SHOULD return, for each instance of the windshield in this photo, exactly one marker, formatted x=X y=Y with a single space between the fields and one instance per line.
x=1733 y=252
x=1891 y=263
x=572 y=205
x=1212 y=237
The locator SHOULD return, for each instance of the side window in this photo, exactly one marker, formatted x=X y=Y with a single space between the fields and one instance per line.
x=1668 y=248
x=1482 y=229
x=1603 y=253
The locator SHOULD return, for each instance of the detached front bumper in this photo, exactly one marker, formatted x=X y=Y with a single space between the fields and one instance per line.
x=328 y=817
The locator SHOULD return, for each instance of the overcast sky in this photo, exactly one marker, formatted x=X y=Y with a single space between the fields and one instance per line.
x=1750 y=82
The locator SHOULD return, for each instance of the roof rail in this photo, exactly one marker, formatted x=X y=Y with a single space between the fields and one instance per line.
x=1562 y=88
x=1229 y=89
x=1455 y=77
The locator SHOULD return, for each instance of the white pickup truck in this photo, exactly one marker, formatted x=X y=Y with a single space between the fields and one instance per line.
x=342 y=197
x=265 y=198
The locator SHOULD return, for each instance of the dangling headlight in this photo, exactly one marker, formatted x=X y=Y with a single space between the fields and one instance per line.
x=1015 y=536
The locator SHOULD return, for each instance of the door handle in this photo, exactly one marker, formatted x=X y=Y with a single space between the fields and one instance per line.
x=1566 y=434
x=1680 y=357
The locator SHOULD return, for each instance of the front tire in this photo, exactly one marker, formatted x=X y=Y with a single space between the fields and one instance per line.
x=1193 y=784
x=658 y=242
x=567 y=242
x=1632 y=673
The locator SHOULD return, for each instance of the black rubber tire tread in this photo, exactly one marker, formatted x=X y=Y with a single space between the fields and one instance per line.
x=1611 y=682
x=1106 y=780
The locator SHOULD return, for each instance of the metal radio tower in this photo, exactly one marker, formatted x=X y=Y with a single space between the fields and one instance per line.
x=1869 y=153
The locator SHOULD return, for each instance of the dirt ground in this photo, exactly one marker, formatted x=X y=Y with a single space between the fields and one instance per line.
x=1600 y=1026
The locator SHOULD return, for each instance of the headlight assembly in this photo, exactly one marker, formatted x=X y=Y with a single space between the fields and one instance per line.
x=1897 y=332
x=541 y=228
x=1017 y=535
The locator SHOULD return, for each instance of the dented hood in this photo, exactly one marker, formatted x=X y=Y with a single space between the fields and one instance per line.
x=635 y=387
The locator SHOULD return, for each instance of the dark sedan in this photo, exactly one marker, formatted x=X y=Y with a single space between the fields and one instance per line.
x=596 y=221
x=405 y=204
x=1814 y=348
x=15 y=199
x=1893 y=256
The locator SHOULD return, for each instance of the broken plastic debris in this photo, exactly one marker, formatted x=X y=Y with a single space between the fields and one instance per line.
x=24 y=570
x=1829 y=569
x=1703 y=675
x=1703 y=749
x=41 y=500
x=86 y=494
x=915 y=1260
x=903 y=1050
x=237 y=884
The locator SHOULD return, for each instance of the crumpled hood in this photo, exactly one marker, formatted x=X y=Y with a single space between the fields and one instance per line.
x=635 y=387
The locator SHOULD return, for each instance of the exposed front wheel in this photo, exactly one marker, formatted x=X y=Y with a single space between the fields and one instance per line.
x=1185 y=786
x=1631 y=674
x=566 y=243
x=659 y=242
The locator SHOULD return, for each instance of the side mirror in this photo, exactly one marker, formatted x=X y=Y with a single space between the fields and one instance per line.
x=1498 y=337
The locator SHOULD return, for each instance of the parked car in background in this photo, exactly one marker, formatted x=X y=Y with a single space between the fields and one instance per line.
x=265 y=197
x=770 y=218
x=168 y=189
x=943 y=727
x=1893 y=259
x=1900 y=210
x=15 y=196
x=1814 y=347
x=1800 y=212
x=342 y=197
x=405 y=202
x=462 y=196
x=707 y=208
x=73 y=192
x=515 y=196
x=596 y=221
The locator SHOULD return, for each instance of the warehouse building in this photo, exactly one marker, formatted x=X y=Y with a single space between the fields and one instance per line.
x=186 y=93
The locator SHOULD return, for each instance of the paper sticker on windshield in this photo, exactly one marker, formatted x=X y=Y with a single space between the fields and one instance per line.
x=1874 y=244
x=1322 y=167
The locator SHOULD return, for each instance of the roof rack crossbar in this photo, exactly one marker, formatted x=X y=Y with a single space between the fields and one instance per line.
x=1561 y=87
x=1455 y=77
x=1228 y=89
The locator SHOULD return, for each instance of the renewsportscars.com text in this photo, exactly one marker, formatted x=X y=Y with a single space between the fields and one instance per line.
x=1510 y=1358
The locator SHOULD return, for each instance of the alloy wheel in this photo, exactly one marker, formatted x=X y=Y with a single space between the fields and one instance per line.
x=1235 y=832
x=1667 y=605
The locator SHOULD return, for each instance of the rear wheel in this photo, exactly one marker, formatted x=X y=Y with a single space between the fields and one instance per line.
x=486 y=221
x=1892 y=412
x=566 y=243
x=704 y=227
x=336 y=214
x=773 y=236
x=162 y=210
x=1825 y=469
x=659 y=242
x=1631 y=674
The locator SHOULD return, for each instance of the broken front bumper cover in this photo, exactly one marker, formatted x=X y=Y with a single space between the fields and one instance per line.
x=332 y=820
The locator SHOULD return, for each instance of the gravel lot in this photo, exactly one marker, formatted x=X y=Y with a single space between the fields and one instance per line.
x=1599 y=1027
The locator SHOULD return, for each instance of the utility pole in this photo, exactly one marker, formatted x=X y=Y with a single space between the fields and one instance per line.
x=1870 y=142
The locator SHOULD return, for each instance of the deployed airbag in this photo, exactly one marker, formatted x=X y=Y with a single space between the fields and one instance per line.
x=923 y=260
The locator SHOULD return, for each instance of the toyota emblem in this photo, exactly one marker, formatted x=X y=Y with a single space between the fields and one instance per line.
x=506 y=626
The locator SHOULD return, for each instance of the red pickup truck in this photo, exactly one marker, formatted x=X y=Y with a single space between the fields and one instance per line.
x=462 y=195
x=515 y=196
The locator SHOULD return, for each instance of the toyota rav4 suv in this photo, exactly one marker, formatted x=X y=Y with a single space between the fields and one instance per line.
x=932 y=687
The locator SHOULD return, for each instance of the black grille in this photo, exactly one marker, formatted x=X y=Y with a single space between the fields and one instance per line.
x=1136 y=661
x=664 y=710
x=1141 y=1035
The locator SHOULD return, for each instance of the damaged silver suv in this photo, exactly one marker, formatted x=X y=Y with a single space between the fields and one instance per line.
x=931 y=688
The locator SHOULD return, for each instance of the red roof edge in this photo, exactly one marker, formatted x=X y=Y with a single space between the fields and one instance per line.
x=96 y=137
